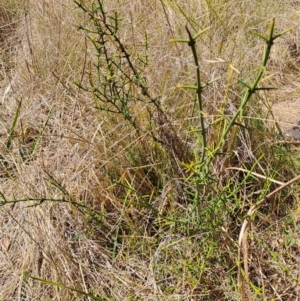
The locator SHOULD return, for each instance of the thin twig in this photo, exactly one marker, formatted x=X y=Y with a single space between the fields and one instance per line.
x=257 y=175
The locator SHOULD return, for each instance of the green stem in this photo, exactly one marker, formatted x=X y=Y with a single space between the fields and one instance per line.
x=192 y=44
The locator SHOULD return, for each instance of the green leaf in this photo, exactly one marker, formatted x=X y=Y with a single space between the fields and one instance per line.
x=188 y=87
x=210 y=82
x=266 y=88
x=200 y=33
x=282 y=33
x=259 y=35
x=179 y=40
x=244 y=83
x=11 y=132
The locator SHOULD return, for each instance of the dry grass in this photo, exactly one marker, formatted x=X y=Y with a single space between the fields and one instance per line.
x=90 y=204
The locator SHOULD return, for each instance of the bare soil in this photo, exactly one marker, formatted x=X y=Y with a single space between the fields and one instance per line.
x=287 y=113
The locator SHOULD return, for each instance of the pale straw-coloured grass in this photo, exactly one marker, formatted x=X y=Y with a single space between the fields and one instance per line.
x=74 y=227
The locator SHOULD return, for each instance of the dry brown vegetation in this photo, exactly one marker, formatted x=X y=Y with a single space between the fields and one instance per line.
x=95 y=206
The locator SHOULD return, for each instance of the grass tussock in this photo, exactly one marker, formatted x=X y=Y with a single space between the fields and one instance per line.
x=126 y=173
